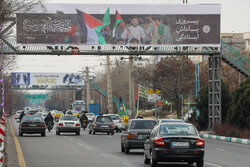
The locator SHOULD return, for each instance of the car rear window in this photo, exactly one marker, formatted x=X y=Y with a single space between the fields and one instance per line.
x=142 y=124
x=114 y=117
x=90 y=114
x=69 y=118
x=33 y=112
x=177 y=129
x=103 y=119
x=179 y=121
x=32 y=119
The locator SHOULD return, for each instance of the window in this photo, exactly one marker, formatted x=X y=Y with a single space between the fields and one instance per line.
x=142 y=124
x=103 y=119
x=69 y=118
x=177 y=129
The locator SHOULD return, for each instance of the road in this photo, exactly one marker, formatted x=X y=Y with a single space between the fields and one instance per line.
x=103 y=150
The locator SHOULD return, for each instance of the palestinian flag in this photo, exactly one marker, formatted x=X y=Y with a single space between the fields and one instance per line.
x=91 y=28
x=118 y=20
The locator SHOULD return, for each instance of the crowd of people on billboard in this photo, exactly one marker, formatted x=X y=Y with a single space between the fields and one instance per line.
x=139 y=31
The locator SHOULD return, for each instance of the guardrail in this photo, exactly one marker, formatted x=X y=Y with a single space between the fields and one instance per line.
x=227 y=139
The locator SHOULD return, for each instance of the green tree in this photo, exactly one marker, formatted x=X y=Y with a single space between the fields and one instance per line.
x=202 y=105
x=239 y=114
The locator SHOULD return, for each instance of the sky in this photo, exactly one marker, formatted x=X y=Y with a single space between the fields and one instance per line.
x=234 y=18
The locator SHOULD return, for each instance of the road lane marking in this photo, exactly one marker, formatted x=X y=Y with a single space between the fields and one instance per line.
x=220 y=149
x=18 y=148
x=126 y=164
x=106 y=155
x=213 y=164
x=80 y=144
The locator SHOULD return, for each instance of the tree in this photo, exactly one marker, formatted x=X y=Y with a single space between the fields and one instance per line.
x=202 y=105
x=176 y=79
x=238 y=114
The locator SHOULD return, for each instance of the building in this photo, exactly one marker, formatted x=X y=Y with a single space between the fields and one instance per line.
x=235 y=40
x=246 y=37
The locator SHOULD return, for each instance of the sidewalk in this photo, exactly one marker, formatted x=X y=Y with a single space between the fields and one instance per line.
x=11 y=159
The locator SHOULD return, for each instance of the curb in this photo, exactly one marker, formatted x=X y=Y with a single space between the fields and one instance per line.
x=227 y=139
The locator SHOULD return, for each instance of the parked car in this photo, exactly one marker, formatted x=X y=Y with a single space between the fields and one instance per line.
x=90 y=116
x=170 y=120
x=32 y=124
x=136 y=133
x=117 y=121
x=102 y=124
x=32 y=112
x=68 y=124
x=174 y=142
x=18 y=114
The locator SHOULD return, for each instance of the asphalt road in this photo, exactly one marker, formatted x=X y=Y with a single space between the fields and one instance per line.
x=102 y=150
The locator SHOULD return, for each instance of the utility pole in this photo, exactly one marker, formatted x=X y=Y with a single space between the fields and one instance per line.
x=131 y=86
x=87 y=88
x=109 y=87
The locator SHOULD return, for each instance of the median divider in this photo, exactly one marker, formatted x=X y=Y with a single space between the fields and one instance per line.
x=2 y=137
x=227 y=139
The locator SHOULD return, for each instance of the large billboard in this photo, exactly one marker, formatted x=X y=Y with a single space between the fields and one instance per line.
x=56 y=79
x=122 y=25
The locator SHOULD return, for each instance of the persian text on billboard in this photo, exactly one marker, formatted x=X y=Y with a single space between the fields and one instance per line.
x=119 y=28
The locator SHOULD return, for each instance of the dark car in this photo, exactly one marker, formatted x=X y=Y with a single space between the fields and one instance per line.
x=32 y=124
x=32 y=112
x=102 y=124
x=174 y=142
x=136 y=133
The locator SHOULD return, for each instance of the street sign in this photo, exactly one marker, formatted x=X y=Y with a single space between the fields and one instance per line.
x=36 y=96
x=159 y=103
x=152 y=91
x=153 y=97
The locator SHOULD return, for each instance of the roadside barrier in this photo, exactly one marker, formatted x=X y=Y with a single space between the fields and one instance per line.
x=2 y=134
x=227 y=139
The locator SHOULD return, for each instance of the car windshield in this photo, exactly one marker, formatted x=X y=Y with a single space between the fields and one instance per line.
x=142 y=124
x=114 y=117
x=69 y=118
x=172 y=120
x=103 y=119
x=58 y=112
x=32 y=119
x=177 y=129
x=90 y=114
x=19 y=112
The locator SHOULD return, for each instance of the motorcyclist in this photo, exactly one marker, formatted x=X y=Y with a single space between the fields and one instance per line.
x=84 y=120
x=21 y=116
x=49 y=118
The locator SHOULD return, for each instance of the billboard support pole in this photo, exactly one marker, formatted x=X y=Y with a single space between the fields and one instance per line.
x=109 y=87
x=214 y=91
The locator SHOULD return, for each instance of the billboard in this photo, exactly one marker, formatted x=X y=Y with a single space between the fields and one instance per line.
x=56 y=79
x=116 y=24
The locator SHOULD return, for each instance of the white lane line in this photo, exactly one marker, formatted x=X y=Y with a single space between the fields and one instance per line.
x=213 y=164
x=126 y=164
x=220 y=149
x=80 y=144
x=106 y=155
x=89 y=147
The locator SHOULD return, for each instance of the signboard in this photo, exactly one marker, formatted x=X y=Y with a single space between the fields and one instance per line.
x=36 y=96
x=152 y=91
x=153 y=97
x=60 y=79
x=122 y=24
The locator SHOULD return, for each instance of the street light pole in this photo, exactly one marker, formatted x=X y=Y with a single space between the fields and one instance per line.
x=131 y=85
x=87 y=88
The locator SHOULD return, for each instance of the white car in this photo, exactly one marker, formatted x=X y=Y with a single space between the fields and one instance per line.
x=90 y=116
x=18 y=114
x=160 y=121
x=117 y=121
x=68 y=124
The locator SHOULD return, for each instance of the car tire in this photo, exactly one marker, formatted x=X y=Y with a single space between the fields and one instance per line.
x=153 y=162
x=122 y=148
x=200 y=163
x=43 y=134
x=190 y=163
x=120 y=130
x=108 y=133
x=126 y=150
x=89 y=131
x=78 y=133
x=146 y=160
x=57 y=133
x=20 y=134
x=112 y=133
x=93 y=132
x=117 y=130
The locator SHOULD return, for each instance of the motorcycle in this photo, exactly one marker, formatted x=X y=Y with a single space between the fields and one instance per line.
x=84 y=124
x=50 y=126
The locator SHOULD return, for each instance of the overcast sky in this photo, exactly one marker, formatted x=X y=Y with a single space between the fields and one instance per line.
x=235 y=18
